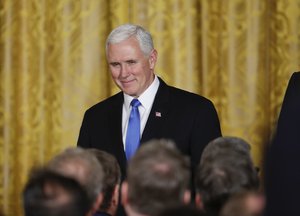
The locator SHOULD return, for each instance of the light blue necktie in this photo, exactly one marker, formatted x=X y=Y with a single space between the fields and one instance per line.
x=133 y=129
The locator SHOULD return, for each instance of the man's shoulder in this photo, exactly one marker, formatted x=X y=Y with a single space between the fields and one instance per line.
x=184 y=96
x=107 y=103
x=295 y=78
x=296 y=74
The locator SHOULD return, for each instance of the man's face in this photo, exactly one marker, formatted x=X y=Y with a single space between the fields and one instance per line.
x=131 y=70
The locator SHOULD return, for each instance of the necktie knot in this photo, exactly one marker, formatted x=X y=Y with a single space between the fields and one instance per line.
x=135 y=103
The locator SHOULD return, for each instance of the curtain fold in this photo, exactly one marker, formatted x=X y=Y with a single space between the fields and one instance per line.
x=238 y=53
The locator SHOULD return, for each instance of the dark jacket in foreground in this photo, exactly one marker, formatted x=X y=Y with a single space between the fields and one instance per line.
x=283 y=159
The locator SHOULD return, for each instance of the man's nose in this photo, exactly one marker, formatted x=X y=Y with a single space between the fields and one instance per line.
x=124 y=70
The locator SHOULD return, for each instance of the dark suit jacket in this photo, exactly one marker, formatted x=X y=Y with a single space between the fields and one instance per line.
x=283 y=158
x=188 y=119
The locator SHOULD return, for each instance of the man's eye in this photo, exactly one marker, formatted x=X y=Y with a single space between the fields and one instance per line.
x=131 y=62
x=114 y=64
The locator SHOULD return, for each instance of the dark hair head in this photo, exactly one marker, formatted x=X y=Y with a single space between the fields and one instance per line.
x=50 y=194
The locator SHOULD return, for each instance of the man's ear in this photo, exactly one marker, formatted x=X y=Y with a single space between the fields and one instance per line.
x=115 y=197
x=97 y=202
x=199 y=201
x=124 y=193
x=186 y=197
x=152 y=59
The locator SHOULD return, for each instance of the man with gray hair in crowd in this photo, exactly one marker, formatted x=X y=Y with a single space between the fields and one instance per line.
x=158 y=178
x=83 y=166
x=226 y=168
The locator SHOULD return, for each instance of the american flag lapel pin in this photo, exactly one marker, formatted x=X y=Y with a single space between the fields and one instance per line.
x=157 y=114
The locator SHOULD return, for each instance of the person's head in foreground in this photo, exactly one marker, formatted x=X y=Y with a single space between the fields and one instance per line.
x=158 y=177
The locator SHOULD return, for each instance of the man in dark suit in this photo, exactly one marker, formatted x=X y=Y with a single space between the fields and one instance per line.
x=283 y=158
x=190 y=120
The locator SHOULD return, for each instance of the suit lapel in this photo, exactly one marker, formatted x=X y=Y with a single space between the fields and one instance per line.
x=158 y=114
x=115 y=130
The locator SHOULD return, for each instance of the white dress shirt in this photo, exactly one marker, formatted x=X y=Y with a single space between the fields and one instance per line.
x=146 y=99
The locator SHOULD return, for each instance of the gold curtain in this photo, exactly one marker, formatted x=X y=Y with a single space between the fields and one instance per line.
x=238 y=53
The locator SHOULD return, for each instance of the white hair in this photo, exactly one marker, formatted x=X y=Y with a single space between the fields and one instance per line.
x=126 y=31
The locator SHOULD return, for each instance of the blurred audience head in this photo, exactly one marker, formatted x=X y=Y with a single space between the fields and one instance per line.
x=226 y=167
x=50 y=194
x=158 y=177
x=83 y=166
x=111 y=181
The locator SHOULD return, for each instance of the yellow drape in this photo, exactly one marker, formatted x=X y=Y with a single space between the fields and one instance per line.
x=238 y=53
